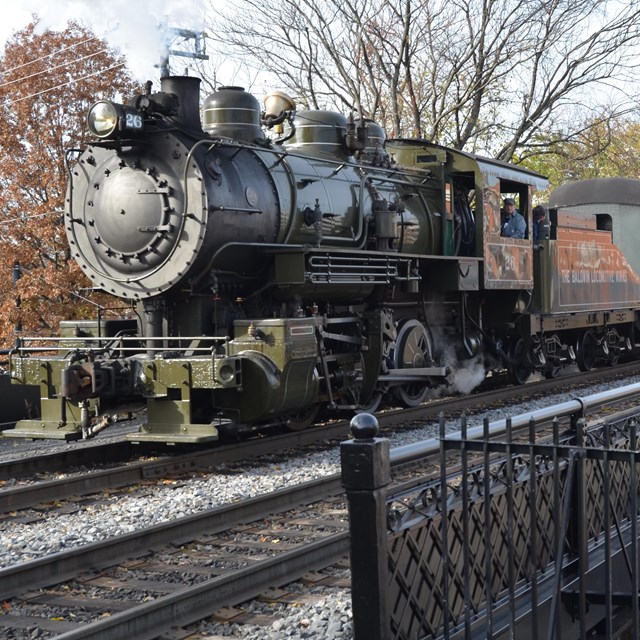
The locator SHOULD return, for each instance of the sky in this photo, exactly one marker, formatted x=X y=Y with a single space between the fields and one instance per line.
x=127 y=25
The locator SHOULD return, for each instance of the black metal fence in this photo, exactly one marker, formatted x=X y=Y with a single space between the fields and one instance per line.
x=536 y=538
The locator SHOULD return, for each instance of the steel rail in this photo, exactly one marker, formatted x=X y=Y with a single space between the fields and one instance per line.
x=65 y=565
x=21 y=497
x=149 y=620
x=14 y=498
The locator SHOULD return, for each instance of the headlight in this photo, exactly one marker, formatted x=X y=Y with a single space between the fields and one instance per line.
x=102 y=119
x=107 y=119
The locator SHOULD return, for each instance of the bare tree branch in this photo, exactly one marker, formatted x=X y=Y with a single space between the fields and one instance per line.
x=483 y=75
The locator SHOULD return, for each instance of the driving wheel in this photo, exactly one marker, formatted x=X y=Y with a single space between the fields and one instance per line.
x=412 y=351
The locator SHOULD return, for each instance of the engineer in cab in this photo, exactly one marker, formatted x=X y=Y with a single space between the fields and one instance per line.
x=513 y=224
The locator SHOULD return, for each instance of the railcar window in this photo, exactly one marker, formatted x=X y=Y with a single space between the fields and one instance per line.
x=604 y=222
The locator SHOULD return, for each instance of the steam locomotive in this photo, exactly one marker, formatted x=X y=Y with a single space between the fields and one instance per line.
x=278 y=262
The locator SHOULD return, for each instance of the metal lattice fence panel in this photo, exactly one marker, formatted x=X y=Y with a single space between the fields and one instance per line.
x=529 y=540
x=418 y=557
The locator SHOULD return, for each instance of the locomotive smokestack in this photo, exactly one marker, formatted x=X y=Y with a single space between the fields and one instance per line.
x=187 y=88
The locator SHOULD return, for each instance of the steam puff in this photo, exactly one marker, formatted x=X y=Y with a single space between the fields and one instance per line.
x=468 y=376
x=134 y=29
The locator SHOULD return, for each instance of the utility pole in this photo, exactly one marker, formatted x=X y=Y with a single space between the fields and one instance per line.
x=197 y=36
x=16 y=274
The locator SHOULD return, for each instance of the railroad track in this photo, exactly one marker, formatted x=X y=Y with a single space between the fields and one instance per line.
x=206 y=548
x=13 y=498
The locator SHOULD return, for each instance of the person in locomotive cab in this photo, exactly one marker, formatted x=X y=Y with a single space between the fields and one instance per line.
x=539 y=217
x=514 y=225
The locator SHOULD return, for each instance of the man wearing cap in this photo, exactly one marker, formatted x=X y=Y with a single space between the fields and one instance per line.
x=539 y=216
x=514 y=225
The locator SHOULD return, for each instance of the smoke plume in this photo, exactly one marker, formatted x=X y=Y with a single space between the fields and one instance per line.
x=132 y=28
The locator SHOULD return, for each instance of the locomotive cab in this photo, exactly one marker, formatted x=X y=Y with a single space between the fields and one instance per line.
x=472 y=191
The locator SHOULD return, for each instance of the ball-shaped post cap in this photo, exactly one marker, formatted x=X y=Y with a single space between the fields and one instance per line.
x=364 y=426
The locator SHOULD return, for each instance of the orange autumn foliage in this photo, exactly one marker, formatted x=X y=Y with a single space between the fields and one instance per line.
x=48 y=81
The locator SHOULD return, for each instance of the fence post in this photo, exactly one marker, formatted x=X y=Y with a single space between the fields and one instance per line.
x=365 y=476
